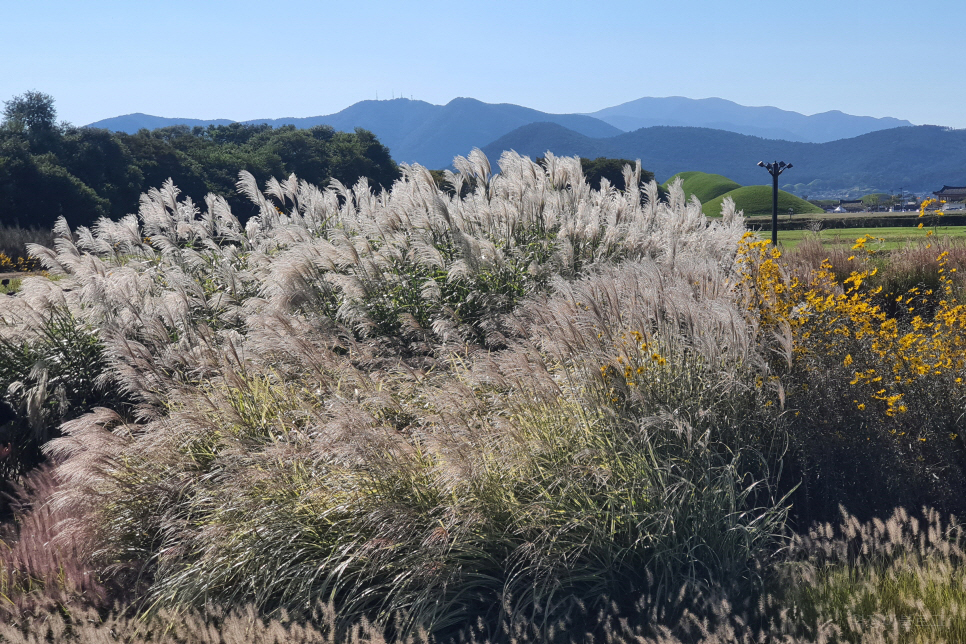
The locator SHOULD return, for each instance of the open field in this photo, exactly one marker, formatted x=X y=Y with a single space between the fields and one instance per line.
x=856 y=220
x=892 y=238
x=825 y=216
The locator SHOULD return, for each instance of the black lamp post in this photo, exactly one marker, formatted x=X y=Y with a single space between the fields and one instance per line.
x=774 y=169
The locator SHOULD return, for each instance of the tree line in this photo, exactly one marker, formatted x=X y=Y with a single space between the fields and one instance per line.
x=49 y=169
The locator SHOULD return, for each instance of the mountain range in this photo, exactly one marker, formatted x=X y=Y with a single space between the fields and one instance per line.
x=916 y=158
x=414 y=131
x=421 y=132
x=719 y=114
x=834 y=154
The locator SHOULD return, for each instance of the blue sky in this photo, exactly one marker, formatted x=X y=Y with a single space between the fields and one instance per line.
x=246 y=59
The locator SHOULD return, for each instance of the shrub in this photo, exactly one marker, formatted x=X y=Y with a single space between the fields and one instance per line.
x=13 y=246
x=877 y=399
x=52 y=367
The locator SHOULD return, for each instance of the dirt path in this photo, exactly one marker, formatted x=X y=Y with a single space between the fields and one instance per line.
x=16 y=275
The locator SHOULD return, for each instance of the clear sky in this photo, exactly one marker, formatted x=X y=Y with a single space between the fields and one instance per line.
x=245 y=59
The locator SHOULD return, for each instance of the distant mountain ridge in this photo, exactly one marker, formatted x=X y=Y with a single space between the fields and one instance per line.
x=414 y=131
x=421 y=132
x=721 y=114
x=131 y=123
x=918 y=158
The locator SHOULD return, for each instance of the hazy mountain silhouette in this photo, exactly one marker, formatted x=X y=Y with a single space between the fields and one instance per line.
x=918 y=158
x=131 y=123
x=417 y=131
x=414 y=131
x=721 y=114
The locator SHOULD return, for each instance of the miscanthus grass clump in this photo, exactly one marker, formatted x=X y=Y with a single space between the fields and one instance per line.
x=431 y=411
x=517 y=408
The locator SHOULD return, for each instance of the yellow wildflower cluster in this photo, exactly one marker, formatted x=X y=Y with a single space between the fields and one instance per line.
x=637 y=358
x=766 y=289
x=937 y=213
x=925 y=206
x=840 y=323
x=21 y=264
x=861 y=244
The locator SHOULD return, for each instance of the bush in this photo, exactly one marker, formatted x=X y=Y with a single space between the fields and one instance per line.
x=52 y=368
x=877 y=399
x=13 y=246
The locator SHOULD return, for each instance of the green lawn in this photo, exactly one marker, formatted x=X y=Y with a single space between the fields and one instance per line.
x=893 y=237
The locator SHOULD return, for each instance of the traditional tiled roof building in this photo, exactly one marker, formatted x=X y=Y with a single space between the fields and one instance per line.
x=853 y=206
x=951 y=193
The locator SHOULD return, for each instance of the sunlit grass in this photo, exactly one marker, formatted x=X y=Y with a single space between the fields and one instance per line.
x=891 y=238
x=12 y=285
x=895 y=580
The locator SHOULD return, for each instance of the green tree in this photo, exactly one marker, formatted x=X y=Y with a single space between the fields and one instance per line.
x=874 y=201
x=85 y=173
x=35 y=189
x=610 y=169
x=30 y=112
x=99 y=159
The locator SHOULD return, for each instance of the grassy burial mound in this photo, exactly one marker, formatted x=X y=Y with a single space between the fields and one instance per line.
x=757 y=200
x=703 y=185
x=711 y=189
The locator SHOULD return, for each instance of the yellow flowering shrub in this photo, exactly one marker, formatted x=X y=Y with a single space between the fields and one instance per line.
x=21 y=264
x=859 y=378
x=829 y=318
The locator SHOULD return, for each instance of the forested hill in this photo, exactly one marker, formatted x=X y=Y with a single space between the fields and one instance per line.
x=920 y=158
x=85 y=173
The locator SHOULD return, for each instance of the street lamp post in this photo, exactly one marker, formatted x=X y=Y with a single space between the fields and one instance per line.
x=774 y=169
